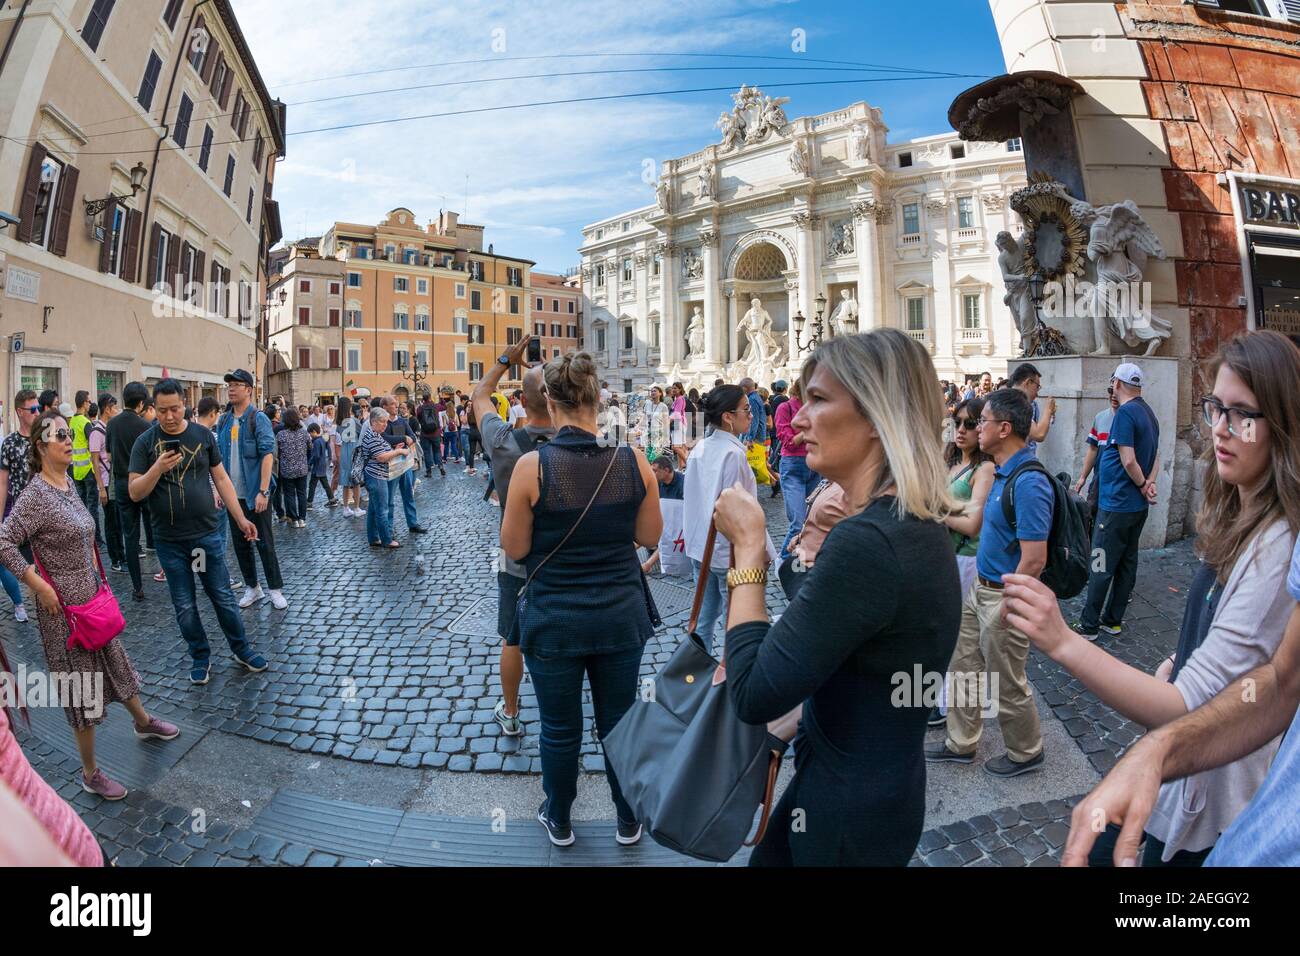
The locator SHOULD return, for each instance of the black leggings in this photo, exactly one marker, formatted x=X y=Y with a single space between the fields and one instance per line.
x=471 y=446
x=321 y=480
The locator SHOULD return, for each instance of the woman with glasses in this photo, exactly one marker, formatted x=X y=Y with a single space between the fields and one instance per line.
x=1237 y=606
x=714 y=465
x=51 y=518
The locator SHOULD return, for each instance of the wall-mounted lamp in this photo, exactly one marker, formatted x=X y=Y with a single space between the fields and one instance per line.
x=96 y=206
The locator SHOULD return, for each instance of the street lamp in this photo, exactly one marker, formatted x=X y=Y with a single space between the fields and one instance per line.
x=817 y=330
x=284 y=294
x=416 y=372
x=96 y=206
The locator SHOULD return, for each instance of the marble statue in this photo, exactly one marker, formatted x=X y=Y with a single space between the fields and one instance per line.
x=840 y=242
x=1019 y=298
x=733 y=129
x=664 y=195
x=771 y=117
x=1119 y=243
x=762 y=351
x=705 y=190
x=844 y=320
x=692 y=265
x=800 y=160
x=861 y=142
x=695 y=335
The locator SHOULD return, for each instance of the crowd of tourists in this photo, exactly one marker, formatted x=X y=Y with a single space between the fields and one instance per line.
x=923 y=535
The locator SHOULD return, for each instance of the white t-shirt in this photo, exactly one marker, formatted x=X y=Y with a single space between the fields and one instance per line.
x=517 y=412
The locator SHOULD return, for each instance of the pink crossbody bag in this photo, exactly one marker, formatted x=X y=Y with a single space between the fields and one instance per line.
x=93 y=624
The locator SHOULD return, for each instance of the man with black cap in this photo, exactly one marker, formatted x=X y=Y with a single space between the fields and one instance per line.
x=1126 y=472
x=247 y=446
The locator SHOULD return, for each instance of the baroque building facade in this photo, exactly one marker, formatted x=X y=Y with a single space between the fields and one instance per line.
x=792 y=212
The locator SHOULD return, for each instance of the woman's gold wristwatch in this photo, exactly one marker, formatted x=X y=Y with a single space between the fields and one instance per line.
x=739 y=576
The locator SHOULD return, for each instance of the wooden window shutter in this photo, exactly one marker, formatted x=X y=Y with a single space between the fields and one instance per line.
x=209 y=61
x=31 y=190
x=199 y=260
x=155 y=237
x=173 y=266
x=216 y=71
x=239 y=108
x=63 y=212
x=131 y=247
x=106 y=247
x=224 y=97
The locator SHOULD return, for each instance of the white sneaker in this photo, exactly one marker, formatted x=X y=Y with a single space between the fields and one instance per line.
x=277 y=599
x=251 y=596
x=348 y=511
x=20 y=613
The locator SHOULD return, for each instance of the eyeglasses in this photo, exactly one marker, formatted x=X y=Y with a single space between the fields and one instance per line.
x=988 y=421
x=1110 y=389
x=34 y=410
x=1212 y=410
x=61 y=434
x=970 y=424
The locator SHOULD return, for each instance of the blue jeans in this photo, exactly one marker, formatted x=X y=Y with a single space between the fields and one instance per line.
x=557 y=682
x=11 y=586
x=715 y=595
x=405 y=484
x=797 y=483
x=451 y=443
x=178 y=561
x=379 y=515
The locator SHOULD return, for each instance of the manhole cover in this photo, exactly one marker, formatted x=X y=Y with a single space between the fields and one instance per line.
x=479 y=620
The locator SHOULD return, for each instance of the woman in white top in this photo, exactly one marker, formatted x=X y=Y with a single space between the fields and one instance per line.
x=715 y=464
x=1237 y=606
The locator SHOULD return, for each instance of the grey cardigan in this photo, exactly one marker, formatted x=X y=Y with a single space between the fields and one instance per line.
x=1253 y=610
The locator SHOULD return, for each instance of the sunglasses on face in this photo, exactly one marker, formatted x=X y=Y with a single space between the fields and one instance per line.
x=970 y=424
x=61 y=434
x=34 y=410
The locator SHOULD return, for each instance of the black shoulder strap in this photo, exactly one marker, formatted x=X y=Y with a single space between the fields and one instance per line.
x=1009 y=495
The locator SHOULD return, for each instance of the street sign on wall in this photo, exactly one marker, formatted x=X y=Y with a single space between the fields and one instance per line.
x=22 y=284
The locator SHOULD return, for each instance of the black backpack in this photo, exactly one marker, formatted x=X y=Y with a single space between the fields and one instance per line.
x=1070 y=541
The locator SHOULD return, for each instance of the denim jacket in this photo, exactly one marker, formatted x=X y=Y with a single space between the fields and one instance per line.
x=254 y=444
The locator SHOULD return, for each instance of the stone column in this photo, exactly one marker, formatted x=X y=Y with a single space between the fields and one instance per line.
x=791 y=347
x=713 y=318
x=736 y=302
x=866 y=245
x=809 y=275
x=673 y=333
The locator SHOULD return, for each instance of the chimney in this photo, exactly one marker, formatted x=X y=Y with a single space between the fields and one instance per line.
x=447 y=222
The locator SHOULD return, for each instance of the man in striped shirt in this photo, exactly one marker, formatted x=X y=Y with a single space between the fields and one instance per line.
x=1096 y=439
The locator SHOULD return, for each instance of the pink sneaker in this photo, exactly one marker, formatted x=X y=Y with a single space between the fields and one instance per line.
x=158 y=730
x=101 y=786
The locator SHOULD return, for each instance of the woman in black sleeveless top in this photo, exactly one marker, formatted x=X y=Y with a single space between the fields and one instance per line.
x=583 y=609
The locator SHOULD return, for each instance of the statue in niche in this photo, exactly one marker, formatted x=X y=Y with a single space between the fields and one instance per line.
x=763 y=348
x=844 y=320
x=695 y=334
x=800 y=159
x=664 y=195
x=840 y=242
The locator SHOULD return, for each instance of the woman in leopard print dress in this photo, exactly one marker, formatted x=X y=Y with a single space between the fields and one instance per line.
x=50 y=517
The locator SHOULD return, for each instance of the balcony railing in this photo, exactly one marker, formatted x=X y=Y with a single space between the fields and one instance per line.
x=974 y=336
x=918 y=334
x=913 y=239
x=968 y=235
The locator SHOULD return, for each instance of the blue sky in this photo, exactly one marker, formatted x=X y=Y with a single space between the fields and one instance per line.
x=536 y=175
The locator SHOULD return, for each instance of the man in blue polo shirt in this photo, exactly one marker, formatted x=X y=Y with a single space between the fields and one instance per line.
x=1003 y=429
x=1127 y=475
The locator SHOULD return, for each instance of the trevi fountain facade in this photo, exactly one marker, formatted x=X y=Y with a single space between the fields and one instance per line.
x=783 y=217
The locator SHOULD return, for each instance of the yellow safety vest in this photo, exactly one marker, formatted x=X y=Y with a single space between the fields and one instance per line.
x=81 y=464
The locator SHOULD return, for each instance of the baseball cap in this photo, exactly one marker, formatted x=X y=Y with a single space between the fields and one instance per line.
x=1129 y=374
x=240 y=376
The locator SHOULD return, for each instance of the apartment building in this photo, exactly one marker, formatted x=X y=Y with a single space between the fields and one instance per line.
x=425 y=306
x=555 y=313
x=305 y=327
x=139 y=142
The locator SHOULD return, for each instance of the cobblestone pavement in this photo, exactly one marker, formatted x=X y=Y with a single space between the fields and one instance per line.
x=375 y=662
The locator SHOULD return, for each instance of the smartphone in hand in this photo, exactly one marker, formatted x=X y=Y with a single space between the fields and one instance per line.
x=534 y=350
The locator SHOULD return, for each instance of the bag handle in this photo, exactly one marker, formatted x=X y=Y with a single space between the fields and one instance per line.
x=773 y=768
x=94 y=548
x=703 y=582
x=563 y=541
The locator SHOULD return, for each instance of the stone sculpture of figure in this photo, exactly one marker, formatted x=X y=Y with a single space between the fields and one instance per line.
x=771 y=117
x=1019 y=298
x=692 y=265
x=841 y=240
x=1119 y=243
x=733 y=129
x=761 y=352
x=861 y=142
x=705 y=190
x=800 y=160
x=664 y=195
x=844 y=320
x=695 y=335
